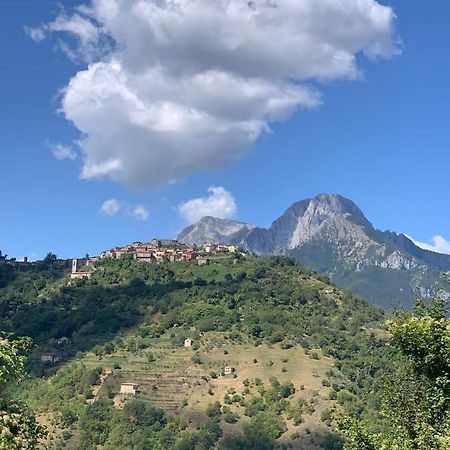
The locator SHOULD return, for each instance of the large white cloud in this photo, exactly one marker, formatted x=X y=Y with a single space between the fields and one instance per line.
x=438 y=244
x=189 y=85
x=219 y=203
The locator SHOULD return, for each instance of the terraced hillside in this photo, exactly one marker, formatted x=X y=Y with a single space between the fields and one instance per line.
x=300 y=348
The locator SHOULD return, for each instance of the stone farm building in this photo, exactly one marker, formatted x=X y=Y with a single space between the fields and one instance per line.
x=129 y=388
x=228 y=370
x=81 y=268
x=49 y=359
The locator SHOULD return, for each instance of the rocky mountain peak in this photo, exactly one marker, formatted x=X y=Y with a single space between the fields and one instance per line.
x=305 y=219
x=213 y=229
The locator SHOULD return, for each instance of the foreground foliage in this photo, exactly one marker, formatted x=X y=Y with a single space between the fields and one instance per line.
x=18 y=427
x=416 y=401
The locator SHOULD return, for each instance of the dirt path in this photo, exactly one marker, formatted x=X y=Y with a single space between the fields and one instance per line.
x=97 y=388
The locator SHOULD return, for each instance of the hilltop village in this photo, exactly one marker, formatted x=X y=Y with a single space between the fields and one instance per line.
x=158 y=250
x=154 y=251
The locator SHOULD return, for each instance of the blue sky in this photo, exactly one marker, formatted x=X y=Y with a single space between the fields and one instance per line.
x=382 y=141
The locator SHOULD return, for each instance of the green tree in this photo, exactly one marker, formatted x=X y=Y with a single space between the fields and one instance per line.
x=50 y=258
x=18 y=427
x=416 y=402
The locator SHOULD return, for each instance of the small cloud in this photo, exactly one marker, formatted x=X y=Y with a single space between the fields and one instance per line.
x=437 y=244
x=110 y=207
x=61 y=152
x=35 y=33
x=220 y=203
x=139 y=212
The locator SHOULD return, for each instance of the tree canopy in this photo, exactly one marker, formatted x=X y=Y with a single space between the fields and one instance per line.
x=18 y=427
x=416 y=401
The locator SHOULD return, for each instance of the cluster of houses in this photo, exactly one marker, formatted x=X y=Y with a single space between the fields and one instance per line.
x=158 y=250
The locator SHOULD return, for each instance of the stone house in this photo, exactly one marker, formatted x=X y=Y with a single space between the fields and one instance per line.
x=188 y=342
x=79 y=267
x=228 y=370
x=129 y=388
x=49 y=359
x=189 y=255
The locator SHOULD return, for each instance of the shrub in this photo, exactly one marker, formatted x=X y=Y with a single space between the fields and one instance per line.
x=214 y=410
x=228 y=415
x=332 y=395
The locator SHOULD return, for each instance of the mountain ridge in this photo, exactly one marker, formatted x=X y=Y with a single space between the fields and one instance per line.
x=329 y=233
x=212 y=229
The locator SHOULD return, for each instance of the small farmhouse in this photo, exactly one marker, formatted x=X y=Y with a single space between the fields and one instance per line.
x=228 y=370
x=49 y=359
x=129 y=388
x=188 y=342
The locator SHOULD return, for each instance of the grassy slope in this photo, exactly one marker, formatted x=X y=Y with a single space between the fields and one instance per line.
x=173 y=378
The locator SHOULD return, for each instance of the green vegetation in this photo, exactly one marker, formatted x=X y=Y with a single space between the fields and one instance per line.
x=302 y=349
x=416 y=400
x=18 y=426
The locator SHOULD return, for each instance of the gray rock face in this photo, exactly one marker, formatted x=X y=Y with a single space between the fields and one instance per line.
x=212 y=229
x=330 y=234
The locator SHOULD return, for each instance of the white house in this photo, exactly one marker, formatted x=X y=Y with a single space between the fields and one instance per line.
x=188 y=342
x=228 y=370
x=129 y=388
